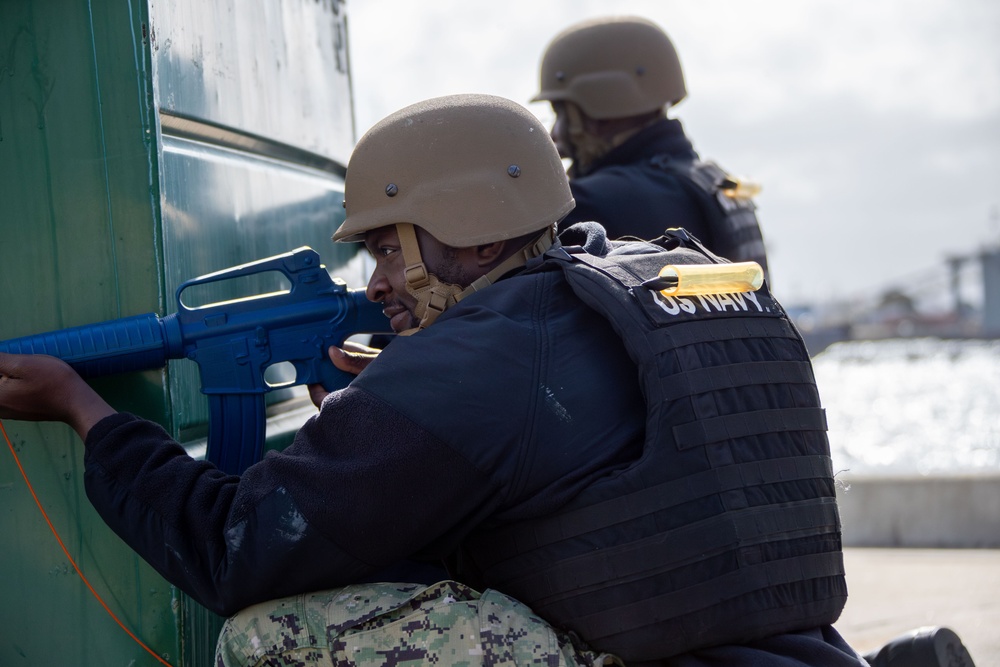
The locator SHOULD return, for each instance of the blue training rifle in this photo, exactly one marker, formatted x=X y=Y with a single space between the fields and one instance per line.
x=233 y=343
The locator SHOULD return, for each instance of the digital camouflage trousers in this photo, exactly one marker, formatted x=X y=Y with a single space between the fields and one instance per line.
x=397 y=624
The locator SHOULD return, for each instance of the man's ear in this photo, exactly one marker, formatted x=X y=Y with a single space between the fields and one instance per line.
x=488 y=254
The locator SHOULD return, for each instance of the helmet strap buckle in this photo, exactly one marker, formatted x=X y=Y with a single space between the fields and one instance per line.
x=417 y=276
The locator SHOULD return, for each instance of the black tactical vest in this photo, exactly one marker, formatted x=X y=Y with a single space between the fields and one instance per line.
x=735 y=230
x=726 y=529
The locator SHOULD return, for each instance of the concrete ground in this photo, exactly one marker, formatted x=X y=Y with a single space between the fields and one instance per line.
x=894 y=590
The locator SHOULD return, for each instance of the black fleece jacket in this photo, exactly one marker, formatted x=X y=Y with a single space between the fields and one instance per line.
x=630 y=196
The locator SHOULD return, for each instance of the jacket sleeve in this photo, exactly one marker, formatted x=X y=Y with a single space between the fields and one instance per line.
x=334 y=507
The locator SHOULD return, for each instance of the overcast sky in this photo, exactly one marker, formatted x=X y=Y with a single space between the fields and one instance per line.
x=873 y=125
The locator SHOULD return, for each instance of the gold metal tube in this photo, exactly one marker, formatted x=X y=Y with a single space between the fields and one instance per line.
x=693 y=279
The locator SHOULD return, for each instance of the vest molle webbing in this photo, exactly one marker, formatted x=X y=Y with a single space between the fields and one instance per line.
x=726 y=529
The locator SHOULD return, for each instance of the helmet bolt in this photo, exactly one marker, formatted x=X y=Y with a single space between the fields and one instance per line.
x=640 y=70
x=391 y=190
x=513 y=171
x=560 y=76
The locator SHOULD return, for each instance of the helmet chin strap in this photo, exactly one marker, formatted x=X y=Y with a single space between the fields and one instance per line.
x=434 y=296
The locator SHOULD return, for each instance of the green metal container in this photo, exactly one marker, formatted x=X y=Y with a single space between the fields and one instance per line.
x=142 y=143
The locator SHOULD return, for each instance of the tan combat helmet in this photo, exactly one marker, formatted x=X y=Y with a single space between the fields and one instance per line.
x=612 y=67
x=469 y=170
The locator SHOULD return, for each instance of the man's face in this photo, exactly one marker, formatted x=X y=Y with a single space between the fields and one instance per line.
x=387 y=284
x=560 y=131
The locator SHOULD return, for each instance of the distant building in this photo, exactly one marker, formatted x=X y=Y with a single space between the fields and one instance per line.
x=900 y=313
x=990 y=260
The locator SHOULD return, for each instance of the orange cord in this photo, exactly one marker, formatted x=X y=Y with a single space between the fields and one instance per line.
x=66 y=551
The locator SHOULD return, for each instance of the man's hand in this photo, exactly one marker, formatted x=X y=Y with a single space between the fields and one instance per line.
x=37 y=387
x=352 y=358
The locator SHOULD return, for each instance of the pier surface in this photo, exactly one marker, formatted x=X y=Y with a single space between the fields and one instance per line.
x=894 y=590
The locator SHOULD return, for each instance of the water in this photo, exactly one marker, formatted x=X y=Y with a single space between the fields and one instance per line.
x=912 y=406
